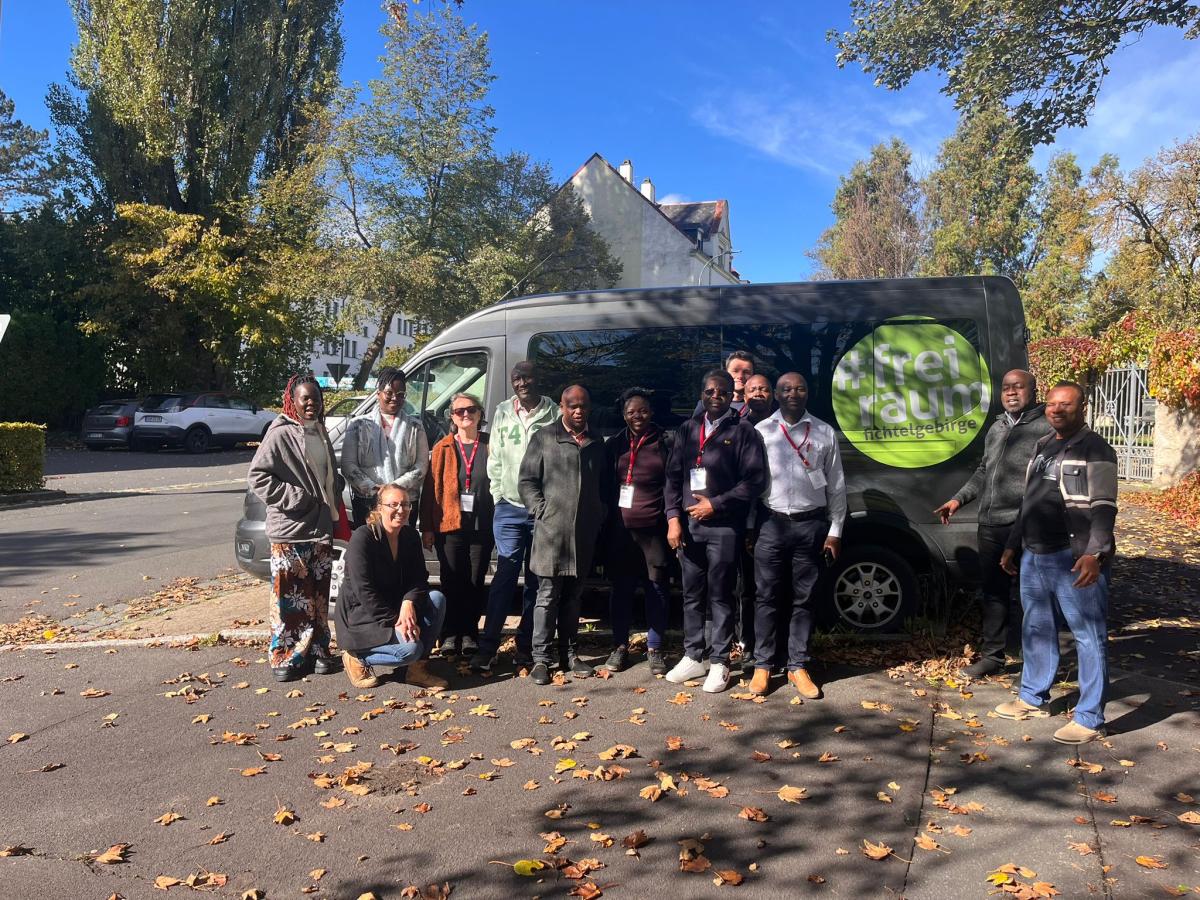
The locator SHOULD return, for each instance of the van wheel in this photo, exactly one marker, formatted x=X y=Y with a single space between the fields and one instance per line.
x=196 y=440
x=872 y=589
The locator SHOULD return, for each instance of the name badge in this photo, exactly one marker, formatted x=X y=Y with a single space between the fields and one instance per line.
x=467 y=502
x=699 y=479
x=816 y=478
x=625 y=499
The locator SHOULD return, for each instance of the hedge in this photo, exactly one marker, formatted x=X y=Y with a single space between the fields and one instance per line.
x=22 y=452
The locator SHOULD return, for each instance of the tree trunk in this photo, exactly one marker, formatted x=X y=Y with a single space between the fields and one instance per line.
x=374 y=348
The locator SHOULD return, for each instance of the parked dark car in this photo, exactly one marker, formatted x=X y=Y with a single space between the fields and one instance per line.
x=108 y=425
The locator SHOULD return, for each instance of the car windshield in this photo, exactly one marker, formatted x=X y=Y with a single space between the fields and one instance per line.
x=162 y=403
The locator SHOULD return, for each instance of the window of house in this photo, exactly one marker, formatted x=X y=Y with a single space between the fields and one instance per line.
x=669 y=361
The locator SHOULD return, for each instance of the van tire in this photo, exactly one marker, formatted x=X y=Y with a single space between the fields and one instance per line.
x=870 y=589
x=196 y=440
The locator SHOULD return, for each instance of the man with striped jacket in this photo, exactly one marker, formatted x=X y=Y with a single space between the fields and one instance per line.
x=1064 y=532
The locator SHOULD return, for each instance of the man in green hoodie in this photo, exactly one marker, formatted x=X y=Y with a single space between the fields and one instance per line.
x=515 y=421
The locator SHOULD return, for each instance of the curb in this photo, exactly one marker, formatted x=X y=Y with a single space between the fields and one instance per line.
x=31 y=498
x=231 y=634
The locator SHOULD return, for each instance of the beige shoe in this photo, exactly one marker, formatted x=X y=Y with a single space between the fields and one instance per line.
x=1018 y=709
x=803 y=684
x=1074 y=733
x=760 y=682
x=419 y=675
x=359 y=673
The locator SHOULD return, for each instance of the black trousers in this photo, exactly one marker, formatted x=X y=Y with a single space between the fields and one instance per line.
x=463 y=557
x=999 y=617
x=360 y=508
x=709 y=561
x=786 y=548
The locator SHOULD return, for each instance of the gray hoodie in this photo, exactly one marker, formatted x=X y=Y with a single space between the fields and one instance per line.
x=281 y=476
x=999 y=479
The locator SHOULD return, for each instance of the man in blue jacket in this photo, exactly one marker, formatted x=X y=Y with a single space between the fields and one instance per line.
x=715 y=472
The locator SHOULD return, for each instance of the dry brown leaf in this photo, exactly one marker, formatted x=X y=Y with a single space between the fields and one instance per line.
x=18 y=737
x=925 y=842
x=92 y=693
x=113 y=855
x=728 y=876
x=635 y=840
x=1150 y=862
x=317 y=837
x=753 y=814
x=162 y=882
x=168 y=817
x=650 y=792
x=422 y=808
x=674 y=743
x=284 y=816
x=789 y=794
x=827 y=757
x=15 y=850
x=1083 y=848
x=1104 y=796
x=220 y=838
x=875 y=851
x=759 y=756
x=254 y=770
x=1189 y=818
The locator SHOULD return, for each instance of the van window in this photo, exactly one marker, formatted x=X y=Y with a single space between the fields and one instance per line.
x=431 y=387
x=668 y=361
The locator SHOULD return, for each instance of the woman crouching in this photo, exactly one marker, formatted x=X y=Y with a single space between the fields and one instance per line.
x=386 y=615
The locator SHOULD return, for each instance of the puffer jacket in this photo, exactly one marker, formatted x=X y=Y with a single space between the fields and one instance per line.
x=999 y=479
x=280 y=476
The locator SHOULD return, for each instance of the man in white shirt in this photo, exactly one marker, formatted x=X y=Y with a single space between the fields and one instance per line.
x=801 y=528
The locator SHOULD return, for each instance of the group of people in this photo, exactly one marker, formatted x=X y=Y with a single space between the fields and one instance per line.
x=748 y=495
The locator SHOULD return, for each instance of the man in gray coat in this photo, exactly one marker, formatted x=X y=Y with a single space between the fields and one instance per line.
x=564 y=483
x=385 y=447
x=999 y=483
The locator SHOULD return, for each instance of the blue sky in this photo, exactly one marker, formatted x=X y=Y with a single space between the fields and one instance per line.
x=710 y=100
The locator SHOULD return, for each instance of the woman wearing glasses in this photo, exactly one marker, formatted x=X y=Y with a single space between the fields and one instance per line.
x=386 y=614
x=456 y=520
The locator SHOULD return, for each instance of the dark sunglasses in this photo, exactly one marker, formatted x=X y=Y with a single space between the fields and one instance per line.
x=464 y=411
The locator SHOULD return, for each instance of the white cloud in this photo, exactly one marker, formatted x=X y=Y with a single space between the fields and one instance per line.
x=675 y=198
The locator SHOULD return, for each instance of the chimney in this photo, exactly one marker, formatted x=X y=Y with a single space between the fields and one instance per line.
x=627 y=171
x=648 y=189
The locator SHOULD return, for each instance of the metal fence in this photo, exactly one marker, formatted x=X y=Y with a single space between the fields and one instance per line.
x=1121 y=410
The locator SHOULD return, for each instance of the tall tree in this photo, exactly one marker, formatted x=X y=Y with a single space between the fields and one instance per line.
x=26 y=165
x=1061 y=250
x=180 y=103
x=1150 y=219
x=1046 y=59
x=877 y=219
x=979 y=199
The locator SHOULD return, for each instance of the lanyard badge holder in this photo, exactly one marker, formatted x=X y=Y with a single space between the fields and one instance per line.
x=815 y=476
x=466 y=499
x=625 y=495
x=699 y=475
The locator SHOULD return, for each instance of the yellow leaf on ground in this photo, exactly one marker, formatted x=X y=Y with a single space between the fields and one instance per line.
x=789 y=794
x=875 y=851
x=284 y=816
x=528 y=867
x=162 y=882
x=114 y=854
x=168 y=817
x=1150 y=862
x=17 y=738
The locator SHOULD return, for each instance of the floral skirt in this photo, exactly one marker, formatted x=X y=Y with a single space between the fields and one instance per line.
x=300 y=601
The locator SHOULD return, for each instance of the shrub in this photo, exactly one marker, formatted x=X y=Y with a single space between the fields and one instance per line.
x=22 y=451
x=1175 y=369
x=1065 y=359
x=1181 y=502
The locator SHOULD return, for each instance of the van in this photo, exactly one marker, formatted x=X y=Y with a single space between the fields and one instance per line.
x=906 y=370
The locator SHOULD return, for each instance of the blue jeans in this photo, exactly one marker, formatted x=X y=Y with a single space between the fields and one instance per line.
x=620 y=608
x=399 y=652
x=512 y=526
x=1047 y=584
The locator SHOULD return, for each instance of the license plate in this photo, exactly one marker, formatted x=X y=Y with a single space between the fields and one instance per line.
x=245 y=549
x=152 y=419
x=95 y=434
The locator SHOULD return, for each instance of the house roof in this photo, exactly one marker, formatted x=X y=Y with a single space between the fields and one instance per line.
x=706 y=215
x=690 y=216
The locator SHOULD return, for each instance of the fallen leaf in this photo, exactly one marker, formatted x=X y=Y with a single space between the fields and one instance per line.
x=789 y=794
x=1189 y=818
x=220 y=838
x=168 y=817
x=1150 y=862
x=1081 y=847
x=875 y=851
x=564 y=765
x=18 y=737
x=317 y=837
x=925 y=842
x=284 y=816
x=635 y=840
x=827 y=757
x=92 y=693
x=1104 y=796
x=15 y=850
x=883 y=797
x=528 y=867
x=650 y=792
x=728 y=876
x=759 y=756
x=753 y=814
x=113 y=855
x=254 y=770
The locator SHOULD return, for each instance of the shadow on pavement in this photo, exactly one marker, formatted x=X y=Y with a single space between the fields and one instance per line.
x=83 y=462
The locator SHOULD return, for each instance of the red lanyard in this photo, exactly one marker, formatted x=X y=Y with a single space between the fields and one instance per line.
x=633 y=452
x=804 y=443
x=704 y=439
x=469 y=463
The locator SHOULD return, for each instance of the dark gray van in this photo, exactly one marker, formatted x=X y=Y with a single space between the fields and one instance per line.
x=906 y=370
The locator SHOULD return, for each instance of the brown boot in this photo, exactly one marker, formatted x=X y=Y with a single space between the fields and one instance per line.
x=804 y=684
x=418 y=675
x=359 y=673
x=760 y=682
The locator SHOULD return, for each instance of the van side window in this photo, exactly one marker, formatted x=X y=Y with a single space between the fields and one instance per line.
x=668 y=361
x=431 y=387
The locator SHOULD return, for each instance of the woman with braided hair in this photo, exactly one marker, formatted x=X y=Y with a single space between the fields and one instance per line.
x=295 y=474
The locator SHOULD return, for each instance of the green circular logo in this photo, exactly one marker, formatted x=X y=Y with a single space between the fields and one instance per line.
x=911 y=394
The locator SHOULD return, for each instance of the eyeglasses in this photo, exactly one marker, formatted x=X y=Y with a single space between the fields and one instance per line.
x=393 y=395
x=716 y=392
x=464 y=411
x=399 y=504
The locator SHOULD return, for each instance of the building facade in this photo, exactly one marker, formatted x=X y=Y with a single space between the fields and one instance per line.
x=336 y=359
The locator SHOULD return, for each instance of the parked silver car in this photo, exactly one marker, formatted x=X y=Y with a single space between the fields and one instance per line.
x=109 y=424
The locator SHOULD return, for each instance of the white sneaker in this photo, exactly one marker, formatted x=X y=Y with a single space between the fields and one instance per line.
x=718 y=678
x=685 y=670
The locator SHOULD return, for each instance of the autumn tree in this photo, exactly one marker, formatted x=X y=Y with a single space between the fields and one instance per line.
x=1045 y=60
x=1058 y=282
x=979 y=200
x=877 y=231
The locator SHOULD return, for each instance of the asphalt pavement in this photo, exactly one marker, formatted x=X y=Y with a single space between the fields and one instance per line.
x=321 y=788
x=132 y=523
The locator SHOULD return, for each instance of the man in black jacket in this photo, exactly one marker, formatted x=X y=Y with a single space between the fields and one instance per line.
x=564 y=482
x=715 y=472
x=1065 y=530
x=999 y=483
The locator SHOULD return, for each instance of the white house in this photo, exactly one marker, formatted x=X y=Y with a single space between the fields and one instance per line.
x=336 y=359
x=658 y=244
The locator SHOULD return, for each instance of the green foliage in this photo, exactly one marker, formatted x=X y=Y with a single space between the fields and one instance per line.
x=979 y=199
x=179 y=105
x=26 y=168
x=1045 y=60
x=1057 y=359
x=22 y=449
x=49 y=371
x=877 y=229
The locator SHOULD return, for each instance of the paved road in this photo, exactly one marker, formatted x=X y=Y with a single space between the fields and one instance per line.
x=173 y=516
